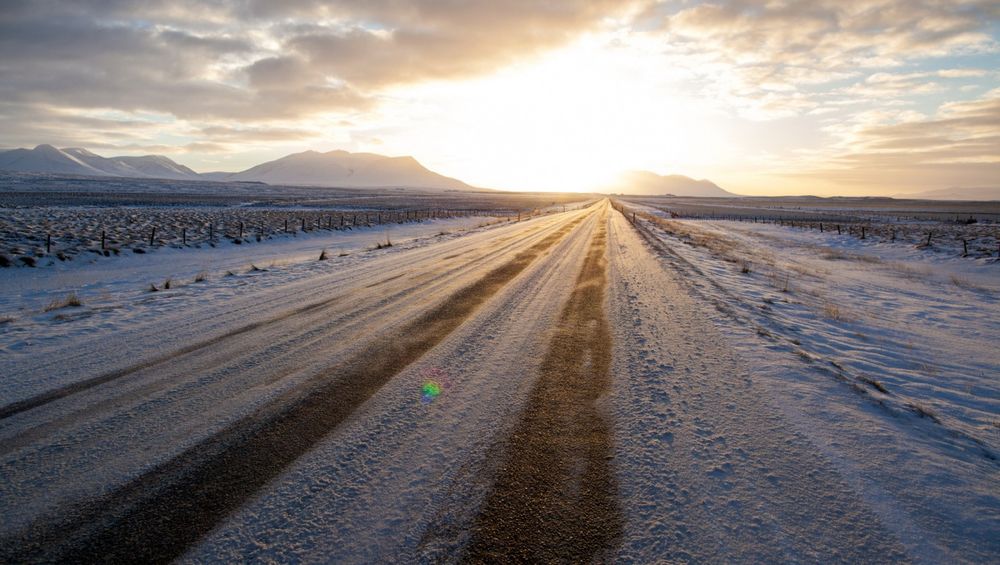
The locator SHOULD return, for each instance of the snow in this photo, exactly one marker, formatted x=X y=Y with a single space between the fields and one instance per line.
x=401 y=480
x=116 y=298
x=857 y=313
x=747 y=422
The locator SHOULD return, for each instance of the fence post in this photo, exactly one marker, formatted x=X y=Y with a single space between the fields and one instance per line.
x=152 y=234
x=48 y=243
x=184 y=236
x=241 y=230
x=104 y=245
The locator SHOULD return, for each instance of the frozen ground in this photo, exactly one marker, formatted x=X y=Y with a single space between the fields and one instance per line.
x=835 y=402
x=881 y=354
x=27 y=289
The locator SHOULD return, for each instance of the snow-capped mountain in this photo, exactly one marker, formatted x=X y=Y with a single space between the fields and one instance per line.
x=332 y=169
x=78 y=161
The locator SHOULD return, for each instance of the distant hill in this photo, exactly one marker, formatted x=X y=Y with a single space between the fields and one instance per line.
x=309 y=168
x=77 y=161
x=348 y=170
x=651 y=184
x=980 y=193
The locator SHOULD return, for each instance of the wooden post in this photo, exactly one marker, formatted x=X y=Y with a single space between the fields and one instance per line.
x=152 y=234
x=104 y=245
x=838 y=229
x=893 y=234
x=184 y=236
x=48 y=243
x=303 y=224
x=211 y=232
x=341 y=220
x=633 y=217
x=286 y=225
x=929 y=235
x=241 y=230
x=821 y=227
x=862 y=232
x=965 y=248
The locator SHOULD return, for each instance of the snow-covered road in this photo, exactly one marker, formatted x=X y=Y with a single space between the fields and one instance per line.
x=542 y=390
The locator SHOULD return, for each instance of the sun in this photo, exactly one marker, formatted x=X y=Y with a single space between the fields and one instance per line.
x=572 y=120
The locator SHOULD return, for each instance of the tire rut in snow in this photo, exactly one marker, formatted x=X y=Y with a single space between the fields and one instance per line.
x=58 y=393
x=80 y=386
x=156 y=517
x=555 y=496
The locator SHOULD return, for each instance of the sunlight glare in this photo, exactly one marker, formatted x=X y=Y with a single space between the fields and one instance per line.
x=572 y=120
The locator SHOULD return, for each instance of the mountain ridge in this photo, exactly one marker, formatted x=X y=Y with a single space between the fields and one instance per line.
x=647 y=183
x=337 y=168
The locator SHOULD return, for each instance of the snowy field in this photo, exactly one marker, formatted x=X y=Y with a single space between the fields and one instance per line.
x=883 y=354
x=668 y=390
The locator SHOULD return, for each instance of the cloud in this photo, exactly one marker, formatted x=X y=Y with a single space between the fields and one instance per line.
x=959 y=146
x=258 y=60
x=435 y=40
x=771 y=52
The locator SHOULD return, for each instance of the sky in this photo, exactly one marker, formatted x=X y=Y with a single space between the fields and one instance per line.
x=850 y=97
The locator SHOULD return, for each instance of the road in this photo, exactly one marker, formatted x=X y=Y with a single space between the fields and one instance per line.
x=545 y=390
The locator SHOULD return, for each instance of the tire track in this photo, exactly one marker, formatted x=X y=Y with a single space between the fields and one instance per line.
x=58 y=393
x=157 y=516
x=555 y=496
x=295 y=293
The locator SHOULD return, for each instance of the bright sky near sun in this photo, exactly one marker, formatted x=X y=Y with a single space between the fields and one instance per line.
x=821 y=97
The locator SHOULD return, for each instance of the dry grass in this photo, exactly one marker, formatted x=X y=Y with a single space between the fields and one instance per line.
x=875 y=384
x=201 y=277
x=923 y=411
x=836 y=313
x=71 y=300
x=965 y=284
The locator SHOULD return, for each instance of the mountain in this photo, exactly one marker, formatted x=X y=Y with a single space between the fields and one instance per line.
x=77 y=161
x=45 y=159
x=979 y=193
x=154 y=166
x=652 y=184
x=348 y=170
x=332 y=169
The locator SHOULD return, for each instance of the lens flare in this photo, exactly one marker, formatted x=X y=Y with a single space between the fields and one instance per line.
x=435 y=382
